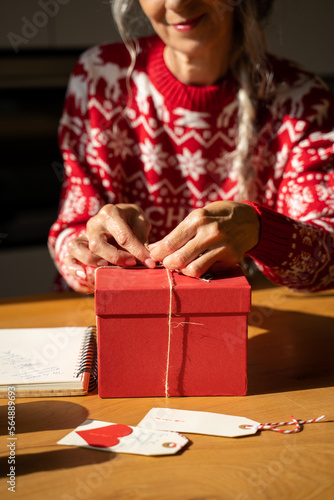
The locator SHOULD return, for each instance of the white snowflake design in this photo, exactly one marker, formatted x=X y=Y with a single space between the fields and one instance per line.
x=221 y=166
x=191 y=165
x=121 y=144
x=153 y=157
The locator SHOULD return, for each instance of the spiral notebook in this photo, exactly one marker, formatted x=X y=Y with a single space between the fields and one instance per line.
x=48 y=361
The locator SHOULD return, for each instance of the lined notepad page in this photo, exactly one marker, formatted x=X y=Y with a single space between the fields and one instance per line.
x=40 y=355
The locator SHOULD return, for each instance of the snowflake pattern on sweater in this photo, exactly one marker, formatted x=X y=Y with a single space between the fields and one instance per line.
x=166 y=147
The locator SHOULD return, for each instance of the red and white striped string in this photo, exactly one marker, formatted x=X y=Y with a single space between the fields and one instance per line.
x=274 y=425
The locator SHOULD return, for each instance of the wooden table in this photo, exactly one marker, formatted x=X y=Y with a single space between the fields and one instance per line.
x=291 y=347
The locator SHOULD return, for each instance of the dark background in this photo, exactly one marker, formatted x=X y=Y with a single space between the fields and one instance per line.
x=40 y=41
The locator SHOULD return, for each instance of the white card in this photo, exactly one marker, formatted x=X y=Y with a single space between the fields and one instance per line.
x=197 y=422
x=121 y=438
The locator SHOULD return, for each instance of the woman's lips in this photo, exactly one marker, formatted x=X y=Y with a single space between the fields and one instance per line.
x=188 y=25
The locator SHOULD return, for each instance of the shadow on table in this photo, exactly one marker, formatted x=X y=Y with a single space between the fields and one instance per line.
x=44 y=415
x=295 y=353
x=33 y=417
x=59 y=459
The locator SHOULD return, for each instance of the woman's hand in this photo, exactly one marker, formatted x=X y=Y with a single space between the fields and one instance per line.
x=115 y=235
x=221 y=232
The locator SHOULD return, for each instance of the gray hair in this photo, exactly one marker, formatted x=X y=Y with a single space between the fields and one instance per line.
x=249 y=66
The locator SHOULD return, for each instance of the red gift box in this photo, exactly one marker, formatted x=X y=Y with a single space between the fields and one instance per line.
x=199 y=326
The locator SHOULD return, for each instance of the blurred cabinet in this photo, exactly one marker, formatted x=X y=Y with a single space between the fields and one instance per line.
x=55 y=24
x=301 y=30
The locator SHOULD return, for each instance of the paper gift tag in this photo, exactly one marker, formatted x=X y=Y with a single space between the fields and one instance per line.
x=120 y=438
x=197 y=422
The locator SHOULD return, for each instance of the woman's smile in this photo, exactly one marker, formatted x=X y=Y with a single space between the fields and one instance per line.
x=198 y=40
x=188 y=25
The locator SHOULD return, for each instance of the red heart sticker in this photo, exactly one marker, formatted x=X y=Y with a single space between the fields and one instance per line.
x=104 y=437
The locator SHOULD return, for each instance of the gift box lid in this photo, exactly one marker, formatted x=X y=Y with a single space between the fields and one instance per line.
x=135 y=291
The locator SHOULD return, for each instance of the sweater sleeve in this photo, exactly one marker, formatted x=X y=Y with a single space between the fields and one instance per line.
x=83 y=192
x=296 y=247
x=294 y=254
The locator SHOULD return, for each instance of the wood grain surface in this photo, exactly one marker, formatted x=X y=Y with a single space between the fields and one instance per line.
x=291 y=372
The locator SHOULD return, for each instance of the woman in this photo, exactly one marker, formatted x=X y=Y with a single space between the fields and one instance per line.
x=198 y=142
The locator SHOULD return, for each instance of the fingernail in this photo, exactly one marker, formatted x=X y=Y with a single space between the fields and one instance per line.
x=102 y=262
x=130 y=262
x=152 y=245
x=149 y=263
x=81 y=274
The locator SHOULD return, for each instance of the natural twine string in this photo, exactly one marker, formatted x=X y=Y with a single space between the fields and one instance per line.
x=169 y=276
x=207 y=278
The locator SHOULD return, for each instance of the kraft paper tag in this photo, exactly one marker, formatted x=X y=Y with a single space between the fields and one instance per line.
x=198 y=422
x=119 y=438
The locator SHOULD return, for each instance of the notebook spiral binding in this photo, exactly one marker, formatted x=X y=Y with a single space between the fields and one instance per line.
x=88 y=358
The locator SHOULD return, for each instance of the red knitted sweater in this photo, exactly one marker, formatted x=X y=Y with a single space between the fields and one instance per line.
x=164 y=146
